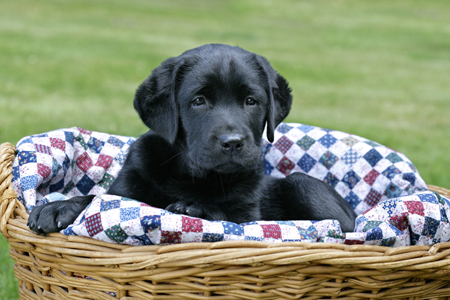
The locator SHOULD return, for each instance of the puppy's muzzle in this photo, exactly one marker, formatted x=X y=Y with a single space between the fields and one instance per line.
x=231 y=143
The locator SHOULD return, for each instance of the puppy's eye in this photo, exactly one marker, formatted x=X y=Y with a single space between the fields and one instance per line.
x=199 y=101
x=250 y=101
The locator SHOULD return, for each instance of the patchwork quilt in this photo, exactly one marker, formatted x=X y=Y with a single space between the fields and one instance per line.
x=384 y=188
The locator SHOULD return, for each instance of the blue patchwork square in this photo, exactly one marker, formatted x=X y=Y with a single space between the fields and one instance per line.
x=306 y=128
x=232 y=228
x=393 y=191
x=328 y=140
x=120 y=158
x=115 y=142
x=360 y=219
x=430 y=227
x=144 y=239
x=69 y=231
x=151 y=223
x=284 y=128
x=212 y=237
x=66 y=164
x=253 y=238
x=389 y=206
x=56 y=187
x=331 y=179
x=352 y=199
x=95 y=145
x=309 y=233
x=109 y=205
x=28 y=182
x=328 y=159
x=373 y=157
x=351 y=179
x=410 y=177
x=374 y=234
x=55 y=167
x=350 y=157
x=69 y=137
x=268 y=167
x=85 y=185
x=306 y=163
x=25 y=157
x=129 y=213
x=428 y=197
x=391 y=172
x=414 y=238
x=15 y=173
x=389 y=242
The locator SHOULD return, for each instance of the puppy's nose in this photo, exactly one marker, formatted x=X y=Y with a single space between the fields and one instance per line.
x=232 y=143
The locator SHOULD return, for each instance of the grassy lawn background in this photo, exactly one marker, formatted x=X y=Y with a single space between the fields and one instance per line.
x=380 y=69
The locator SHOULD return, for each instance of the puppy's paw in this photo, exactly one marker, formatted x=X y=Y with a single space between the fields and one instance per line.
x=55 y=216
x=186 y=208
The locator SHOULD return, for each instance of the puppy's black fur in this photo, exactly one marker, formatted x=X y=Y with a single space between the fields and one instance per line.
x=207 y=110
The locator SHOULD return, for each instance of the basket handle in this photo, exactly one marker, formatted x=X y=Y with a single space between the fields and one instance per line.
x=8 y=197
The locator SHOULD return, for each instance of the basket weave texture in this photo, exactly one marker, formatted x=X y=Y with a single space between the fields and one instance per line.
x=70 y=267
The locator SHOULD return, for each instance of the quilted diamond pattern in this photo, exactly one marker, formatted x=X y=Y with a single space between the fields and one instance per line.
x=382 y=185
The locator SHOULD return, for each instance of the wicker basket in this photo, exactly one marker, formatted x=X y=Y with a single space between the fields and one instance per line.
x=71 y=267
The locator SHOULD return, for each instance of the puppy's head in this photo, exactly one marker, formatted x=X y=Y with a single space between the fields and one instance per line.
x=216 y=100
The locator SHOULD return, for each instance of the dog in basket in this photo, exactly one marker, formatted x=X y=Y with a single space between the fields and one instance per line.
x=207 y=110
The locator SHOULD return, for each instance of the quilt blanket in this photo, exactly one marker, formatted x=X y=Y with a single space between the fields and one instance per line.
x=383 y=186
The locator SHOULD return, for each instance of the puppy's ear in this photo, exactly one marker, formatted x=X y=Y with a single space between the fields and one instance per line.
x=279 y=93
x=155 y=99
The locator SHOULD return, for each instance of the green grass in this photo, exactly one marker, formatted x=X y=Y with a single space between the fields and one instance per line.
x=376 y=69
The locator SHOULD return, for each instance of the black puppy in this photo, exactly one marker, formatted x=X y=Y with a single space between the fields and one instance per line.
x=207 y=110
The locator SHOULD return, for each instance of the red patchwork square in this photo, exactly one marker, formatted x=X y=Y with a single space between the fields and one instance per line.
x=371 y=177
x=170 y=237
x=43 y=171
x=84 y=162
x=285 y=166
x=84 y=131
x=415 y=207
x=272 y=231
x=58 y=143
x=104 y=161
x=373 y=197
x=43 y=149
x=191 y=224
x=284 y=144
x=399 y=221
x=353 y=242
x=94 y=224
